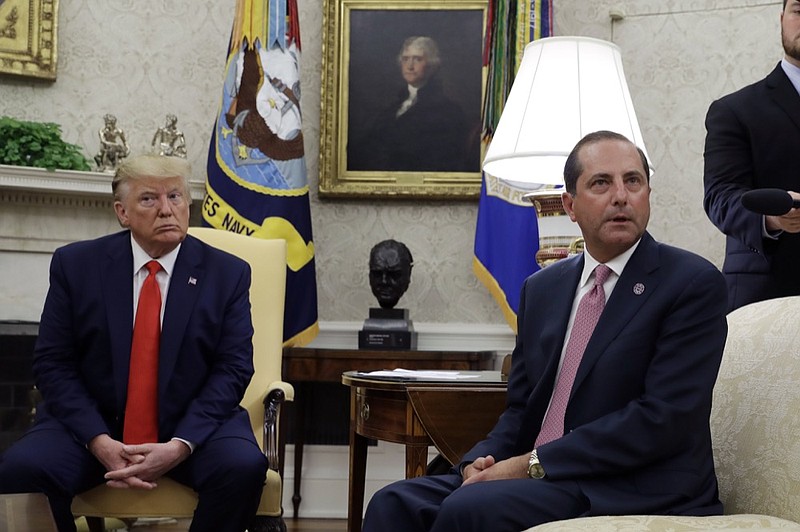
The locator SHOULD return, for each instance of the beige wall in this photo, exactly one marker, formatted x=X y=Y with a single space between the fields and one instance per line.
x=141 y=60
x=680 y=55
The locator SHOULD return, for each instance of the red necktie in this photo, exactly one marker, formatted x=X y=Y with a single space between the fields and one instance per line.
x=141 y=409
x=589 y=309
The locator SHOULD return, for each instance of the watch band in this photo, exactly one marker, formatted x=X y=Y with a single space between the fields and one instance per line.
x=535 y=469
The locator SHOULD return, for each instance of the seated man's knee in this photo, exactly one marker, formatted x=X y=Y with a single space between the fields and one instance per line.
x=17 y=461
x=247 y=466
x=12 y=469
x=391 y=505
x=467 y=507
x=387 y=495
x=251 y=465
x=21 y=471
x=258 y=465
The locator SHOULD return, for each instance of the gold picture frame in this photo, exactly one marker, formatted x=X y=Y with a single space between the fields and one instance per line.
x=28 y=38
x=362 y=78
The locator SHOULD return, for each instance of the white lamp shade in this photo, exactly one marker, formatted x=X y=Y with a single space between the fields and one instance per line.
x=566 y=87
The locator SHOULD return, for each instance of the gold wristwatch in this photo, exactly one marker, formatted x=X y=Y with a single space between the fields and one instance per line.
x=535 y=469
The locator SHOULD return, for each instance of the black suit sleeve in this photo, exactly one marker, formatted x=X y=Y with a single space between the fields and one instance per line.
x=729 y=172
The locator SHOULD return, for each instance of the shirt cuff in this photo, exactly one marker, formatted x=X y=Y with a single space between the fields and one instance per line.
x=189 y=444
x=766 y=233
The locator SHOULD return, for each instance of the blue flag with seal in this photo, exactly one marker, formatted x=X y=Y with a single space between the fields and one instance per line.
x=506 y=233
x=257 y=183
x=506 y=242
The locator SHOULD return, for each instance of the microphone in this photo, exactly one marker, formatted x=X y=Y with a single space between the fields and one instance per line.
x=769 y=201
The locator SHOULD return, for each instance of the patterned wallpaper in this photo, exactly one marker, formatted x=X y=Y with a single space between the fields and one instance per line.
x=142 y=60
x=679 y=56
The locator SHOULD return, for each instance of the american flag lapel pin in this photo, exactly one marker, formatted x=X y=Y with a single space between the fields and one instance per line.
x=192 y=280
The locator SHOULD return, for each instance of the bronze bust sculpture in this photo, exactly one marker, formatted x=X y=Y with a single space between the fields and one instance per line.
x=390 y=264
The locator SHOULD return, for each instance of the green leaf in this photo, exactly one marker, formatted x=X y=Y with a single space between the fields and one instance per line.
x=38 y=144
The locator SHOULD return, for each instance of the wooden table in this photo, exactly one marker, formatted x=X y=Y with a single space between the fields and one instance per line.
x=417 y=413
x=25 y=512
x=301 y=364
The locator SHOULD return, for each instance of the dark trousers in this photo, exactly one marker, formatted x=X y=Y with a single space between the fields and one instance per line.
x=440 y=504
x=228 y=474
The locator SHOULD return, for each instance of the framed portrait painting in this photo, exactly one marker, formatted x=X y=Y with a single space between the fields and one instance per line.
x=28 y=38
x=402 y=89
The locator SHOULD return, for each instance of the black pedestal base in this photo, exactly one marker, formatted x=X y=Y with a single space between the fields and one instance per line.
x=384 y=339
x=387 y=329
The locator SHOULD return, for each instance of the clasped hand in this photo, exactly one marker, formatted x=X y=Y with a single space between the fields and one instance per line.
x=486 y=468
x=136 y=466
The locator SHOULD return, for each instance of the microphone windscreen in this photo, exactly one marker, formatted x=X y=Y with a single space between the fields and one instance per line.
x=769 y=201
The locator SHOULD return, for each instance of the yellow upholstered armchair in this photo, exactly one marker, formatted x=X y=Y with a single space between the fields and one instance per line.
x=263 y=398
x=755 y=428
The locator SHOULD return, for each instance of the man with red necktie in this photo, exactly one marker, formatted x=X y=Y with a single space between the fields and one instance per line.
x=143 y=355
x=610 y=389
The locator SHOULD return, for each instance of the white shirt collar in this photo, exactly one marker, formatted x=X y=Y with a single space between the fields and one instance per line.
x=617 y=264
x=140 y=258
x=792 y=72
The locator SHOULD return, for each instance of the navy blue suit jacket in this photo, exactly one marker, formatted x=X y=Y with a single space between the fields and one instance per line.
x=637 y=434
x=752 y=139
x=82 y=354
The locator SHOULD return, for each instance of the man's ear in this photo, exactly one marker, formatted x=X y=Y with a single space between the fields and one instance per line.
x=122 y=215
x=566 y=201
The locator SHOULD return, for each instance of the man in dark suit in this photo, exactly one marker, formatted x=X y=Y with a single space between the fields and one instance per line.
x=200 y=435
x=633 y=436
x=751 y=140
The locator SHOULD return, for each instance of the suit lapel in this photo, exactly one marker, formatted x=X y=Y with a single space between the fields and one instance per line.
x=638 y=282
x=117 y=287
x=184 y=288
x=784 y=94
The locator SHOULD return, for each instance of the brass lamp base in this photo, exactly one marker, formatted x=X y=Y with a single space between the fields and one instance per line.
x=553 y=219
x=555 y=248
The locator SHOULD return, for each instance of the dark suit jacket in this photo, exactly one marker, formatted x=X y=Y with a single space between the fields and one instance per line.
x=637 y=433
x=752 y=140
x=82 y=354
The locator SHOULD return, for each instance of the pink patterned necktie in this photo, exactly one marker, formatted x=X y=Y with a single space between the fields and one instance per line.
x=589 y=309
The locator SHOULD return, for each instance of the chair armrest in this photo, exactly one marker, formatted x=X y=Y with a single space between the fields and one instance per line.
x=288 y=389
x=277 y=393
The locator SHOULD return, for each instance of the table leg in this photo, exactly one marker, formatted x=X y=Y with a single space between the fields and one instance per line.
x=358 y=473
x=416 y=460
x=299 y=441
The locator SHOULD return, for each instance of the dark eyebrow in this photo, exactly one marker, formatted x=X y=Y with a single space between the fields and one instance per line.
x=605 y=175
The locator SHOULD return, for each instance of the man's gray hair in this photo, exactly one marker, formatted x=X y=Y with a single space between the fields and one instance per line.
x=158 y=166
x=429 y=48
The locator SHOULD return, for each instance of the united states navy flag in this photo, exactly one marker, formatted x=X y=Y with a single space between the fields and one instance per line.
x=257 y=182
